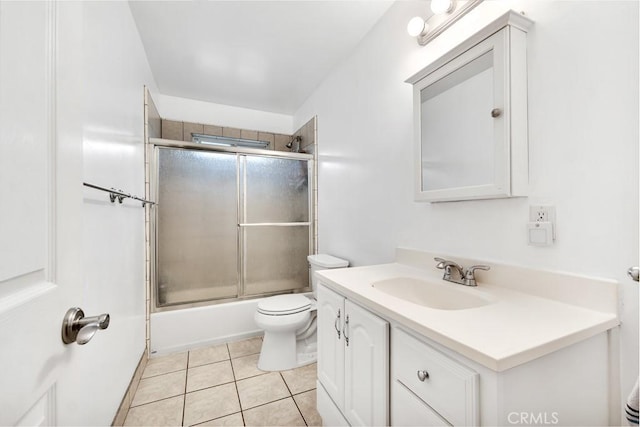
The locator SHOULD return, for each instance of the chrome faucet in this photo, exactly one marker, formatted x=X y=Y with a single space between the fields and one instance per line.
x=464 y=277
x=449 y=267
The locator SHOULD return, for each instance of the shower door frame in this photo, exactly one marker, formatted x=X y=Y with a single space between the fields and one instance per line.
x=157 y=143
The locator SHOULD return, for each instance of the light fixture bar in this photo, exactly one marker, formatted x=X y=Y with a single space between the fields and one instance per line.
x=226 y=141
x=460 y=8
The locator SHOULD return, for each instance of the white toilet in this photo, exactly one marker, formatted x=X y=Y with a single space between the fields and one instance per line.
x=289 y=323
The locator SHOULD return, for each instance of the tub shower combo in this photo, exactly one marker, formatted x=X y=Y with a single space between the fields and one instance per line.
x=233 y=223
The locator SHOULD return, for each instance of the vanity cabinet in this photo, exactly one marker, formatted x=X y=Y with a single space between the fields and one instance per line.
x=539 y=353
x=428 y=388
x=353 y=362
x=373 y=370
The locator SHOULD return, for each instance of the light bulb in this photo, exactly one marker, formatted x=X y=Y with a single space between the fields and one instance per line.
x=439 y=7
x=416 y=26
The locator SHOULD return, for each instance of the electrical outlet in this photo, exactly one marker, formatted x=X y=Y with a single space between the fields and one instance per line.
x=539 y=213
x=544 y=214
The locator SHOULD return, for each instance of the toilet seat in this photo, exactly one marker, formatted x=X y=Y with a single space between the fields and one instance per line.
x=282 y=305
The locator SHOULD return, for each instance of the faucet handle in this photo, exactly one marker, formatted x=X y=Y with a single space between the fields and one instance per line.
x=447 y=266
x=444 y=263
x=470 y=273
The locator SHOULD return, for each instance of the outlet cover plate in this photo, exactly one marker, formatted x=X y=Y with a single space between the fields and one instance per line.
x=544 y=213
x=539 y=213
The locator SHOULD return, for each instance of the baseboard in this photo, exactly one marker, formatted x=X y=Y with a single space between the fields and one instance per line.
x=207 y=343
x=118 y=420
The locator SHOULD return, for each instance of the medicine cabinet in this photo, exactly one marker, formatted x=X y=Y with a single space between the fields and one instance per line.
x=470 y=117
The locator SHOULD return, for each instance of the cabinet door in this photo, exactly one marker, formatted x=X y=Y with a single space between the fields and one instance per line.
x=366 y=338
x=407 y=409
x=331 y=344
x=481 y=83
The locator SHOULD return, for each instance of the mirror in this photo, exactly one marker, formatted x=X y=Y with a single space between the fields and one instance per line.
x=470 y=118
x=456 y=133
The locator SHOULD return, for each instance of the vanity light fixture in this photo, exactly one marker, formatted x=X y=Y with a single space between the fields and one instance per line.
x=445 y=13
x=439 y=7
x=417 y=26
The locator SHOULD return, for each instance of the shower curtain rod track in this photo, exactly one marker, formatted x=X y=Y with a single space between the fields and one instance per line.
x=119 y=194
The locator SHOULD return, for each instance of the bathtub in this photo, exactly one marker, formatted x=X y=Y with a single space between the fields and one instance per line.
x=184 y=329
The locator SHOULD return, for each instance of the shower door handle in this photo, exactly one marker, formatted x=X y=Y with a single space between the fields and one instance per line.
x=336 y=324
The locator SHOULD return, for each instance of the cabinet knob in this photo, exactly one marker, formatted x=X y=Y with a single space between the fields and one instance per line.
x=496 y=112
x=423 y=375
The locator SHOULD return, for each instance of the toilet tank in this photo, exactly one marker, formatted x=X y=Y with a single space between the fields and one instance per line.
x=324 y=262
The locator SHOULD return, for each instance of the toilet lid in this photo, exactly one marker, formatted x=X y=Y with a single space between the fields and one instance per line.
x=284 y=304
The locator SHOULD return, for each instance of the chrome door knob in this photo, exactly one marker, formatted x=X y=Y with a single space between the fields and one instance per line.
x=80 y=329
x=423 y=375
x=634 y=273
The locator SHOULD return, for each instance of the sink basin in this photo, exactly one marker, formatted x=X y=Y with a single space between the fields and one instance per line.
x=441 y=296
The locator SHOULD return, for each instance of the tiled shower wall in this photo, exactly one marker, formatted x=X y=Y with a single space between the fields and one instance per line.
x=181 y=131
x=309 y=144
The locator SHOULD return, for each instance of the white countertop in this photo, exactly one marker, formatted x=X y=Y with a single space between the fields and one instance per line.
x=515 y=328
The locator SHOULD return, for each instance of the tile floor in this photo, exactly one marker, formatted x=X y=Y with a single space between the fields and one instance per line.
x=222 y=386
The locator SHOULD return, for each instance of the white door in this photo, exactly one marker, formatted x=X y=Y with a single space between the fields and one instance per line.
x=40 y=207
x=331 y=344
x=366 y=367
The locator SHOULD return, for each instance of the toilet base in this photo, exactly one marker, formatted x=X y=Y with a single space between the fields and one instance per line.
x=307 y=358
x=281 y=352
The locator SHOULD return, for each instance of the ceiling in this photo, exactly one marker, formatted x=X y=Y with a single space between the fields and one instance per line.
x=264 y=55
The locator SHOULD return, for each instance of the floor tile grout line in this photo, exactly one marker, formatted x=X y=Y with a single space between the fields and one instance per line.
x=252 y=376
x=184 y=396
x=217 y=418
x=209 y=363
x=155 y=401
x=208 y=387
x=244 y=423
x=285 y=383
x=291 y=396
x=268 y=403
x=235 y=384
x=300 y=411
x=164 y=373
x=304 y=391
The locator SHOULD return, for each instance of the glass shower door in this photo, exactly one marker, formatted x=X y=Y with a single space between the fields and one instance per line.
x=275 y=225
x=197 y=222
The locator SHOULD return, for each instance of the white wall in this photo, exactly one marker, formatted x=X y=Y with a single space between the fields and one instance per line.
x=194 y=111
x=114 y=73
x=583 y=129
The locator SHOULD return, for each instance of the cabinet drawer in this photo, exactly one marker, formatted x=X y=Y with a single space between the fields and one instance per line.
x=408 y=410
x=448 y=387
